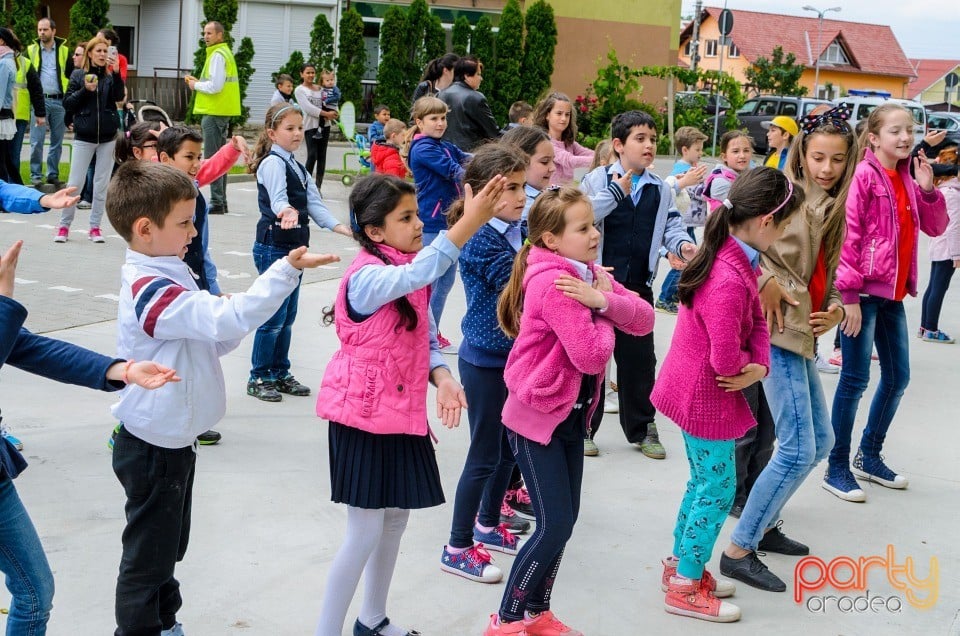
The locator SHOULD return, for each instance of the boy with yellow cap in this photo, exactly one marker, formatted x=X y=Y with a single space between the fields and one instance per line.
x=780 y=132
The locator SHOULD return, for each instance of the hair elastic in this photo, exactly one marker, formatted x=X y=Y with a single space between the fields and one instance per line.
x=278 y=113
x=727 y=204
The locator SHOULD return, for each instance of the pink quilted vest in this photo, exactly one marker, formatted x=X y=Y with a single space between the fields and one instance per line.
x=377 y=381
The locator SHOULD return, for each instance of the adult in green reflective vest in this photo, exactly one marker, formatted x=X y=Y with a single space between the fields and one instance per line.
x=217 y=100
x=49 y=55
x=29 y=95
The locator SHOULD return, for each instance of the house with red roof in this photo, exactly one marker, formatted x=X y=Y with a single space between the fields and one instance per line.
x=929 y=86
x=852 y=55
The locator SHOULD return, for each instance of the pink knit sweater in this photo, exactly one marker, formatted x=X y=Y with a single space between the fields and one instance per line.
x=718 y=336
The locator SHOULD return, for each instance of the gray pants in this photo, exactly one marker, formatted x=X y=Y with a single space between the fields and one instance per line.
x=214 y=130
x=83 y=154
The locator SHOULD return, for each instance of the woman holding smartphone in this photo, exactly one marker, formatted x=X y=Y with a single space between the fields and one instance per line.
x=91 y=97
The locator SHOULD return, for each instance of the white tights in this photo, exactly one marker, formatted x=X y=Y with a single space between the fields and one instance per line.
x=371 y=547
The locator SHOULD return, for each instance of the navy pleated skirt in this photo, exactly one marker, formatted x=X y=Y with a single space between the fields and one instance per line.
x=383 y=471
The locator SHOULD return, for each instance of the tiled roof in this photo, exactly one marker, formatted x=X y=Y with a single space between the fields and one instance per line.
x=872 y=48
x=929 y=72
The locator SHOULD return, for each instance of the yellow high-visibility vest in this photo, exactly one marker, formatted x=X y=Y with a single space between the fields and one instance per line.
x=226 y=103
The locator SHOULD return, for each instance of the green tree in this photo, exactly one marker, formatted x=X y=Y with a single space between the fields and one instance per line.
x=393 y=74
x=779 y=75
x=509 y=83
x=418 y=21
x=245 y=71
x=23 y=17
x=538 y=50
x=291 y=68
x=461 y=35
x=352 y=62
x=321 y=44
x=435 y=41
x=87 y=17
x=481 y=46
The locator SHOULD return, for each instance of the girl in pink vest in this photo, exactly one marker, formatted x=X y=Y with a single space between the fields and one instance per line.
x=720 y=347
x=562 y=310
x=374 y=390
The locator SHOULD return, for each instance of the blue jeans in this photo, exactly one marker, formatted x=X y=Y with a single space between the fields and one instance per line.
x=884 y=323
x=55 y=123
x=442 y=286
x=271 y=345
x=940 y=274
x=489 y=464
x=804 y=437
x=668 y=290
x=22 y=560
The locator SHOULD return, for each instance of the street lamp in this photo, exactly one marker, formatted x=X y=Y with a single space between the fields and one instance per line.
x=816 y=75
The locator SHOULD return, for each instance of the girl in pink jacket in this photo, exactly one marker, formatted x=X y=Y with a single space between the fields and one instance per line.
x=720 y=347
x=556 y=115
x=562 y=310
x=886 y=209
x=944 y=256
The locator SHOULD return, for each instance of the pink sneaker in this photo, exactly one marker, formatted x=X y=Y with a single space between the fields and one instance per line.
x=546 y=624
x=836 y=359
x=62 y=234
x=519 y=500
x=496 y=628
x=690 y=599
x=446 y=346
x=95 y=235
x=718 y=588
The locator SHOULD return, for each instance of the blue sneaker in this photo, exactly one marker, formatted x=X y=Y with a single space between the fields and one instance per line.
x=113 y=437
x=840 y=482
x=176 y=630
x=934 y=336
x=873 y=469
x=499 y=539
x=473 y=563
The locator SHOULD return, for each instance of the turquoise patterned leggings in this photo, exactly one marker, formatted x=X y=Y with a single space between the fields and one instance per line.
x=709 y=495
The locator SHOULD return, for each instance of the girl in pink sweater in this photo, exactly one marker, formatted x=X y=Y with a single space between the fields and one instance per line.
x=720 y=347
x=562 y=310
x=555 y=114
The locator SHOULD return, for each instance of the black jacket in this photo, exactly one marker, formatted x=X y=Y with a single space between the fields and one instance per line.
x=470 y=121
x=94 y=113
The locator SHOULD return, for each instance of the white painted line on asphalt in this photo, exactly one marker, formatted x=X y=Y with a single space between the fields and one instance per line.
x=64 y=288
x=23 y=281
x=112 y=297
x=233 y=253
x=247 y=189
x=352 y=248
x=47 y=227
x=13 y=221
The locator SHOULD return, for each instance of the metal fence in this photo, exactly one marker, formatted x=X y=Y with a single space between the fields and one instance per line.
x=165 y=87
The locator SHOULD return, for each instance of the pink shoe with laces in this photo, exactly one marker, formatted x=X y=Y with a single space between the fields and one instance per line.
x=473 y=563
x=519 y=500
x=546 y=624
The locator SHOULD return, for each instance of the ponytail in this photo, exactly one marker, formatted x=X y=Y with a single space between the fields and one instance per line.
x=510 y=303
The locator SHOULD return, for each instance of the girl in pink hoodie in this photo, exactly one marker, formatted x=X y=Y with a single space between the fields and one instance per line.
x=556 y=115
x=561 y=309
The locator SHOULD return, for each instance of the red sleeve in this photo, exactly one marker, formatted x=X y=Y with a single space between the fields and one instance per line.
x=218 y=165
x=122 y=63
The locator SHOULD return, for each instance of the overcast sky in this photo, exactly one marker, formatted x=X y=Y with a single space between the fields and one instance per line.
x=927 y=29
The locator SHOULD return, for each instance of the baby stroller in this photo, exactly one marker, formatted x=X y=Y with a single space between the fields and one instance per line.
x=146 y=110
x=361 y=149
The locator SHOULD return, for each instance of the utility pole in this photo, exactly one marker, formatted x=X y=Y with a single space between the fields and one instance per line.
x=695 y=42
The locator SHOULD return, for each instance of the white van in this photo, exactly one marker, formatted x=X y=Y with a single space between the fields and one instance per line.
x=862 y=102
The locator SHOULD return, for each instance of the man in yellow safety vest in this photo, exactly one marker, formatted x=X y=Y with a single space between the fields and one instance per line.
x=49 y=55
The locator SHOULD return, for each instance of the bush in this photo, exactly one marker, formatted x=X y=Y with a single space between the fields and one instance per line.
x=291 y=68
x=538 y=50
x=509 y=82
x=23 y=17
x=86 y=18
x=351 y=64
x=461 y=35
x=434 y=44
x=245 y=71
x=321 y=44
x=393 y=72
x=481 y=45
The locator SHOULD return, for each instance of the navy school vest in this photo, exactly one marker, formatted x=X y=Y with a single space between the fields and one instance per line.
x=628 y=235
x=268 y=227
x=194 y=257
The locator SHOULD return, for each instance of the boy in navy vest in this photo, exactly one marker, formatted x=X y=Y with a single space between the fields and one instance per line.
x=636 y=214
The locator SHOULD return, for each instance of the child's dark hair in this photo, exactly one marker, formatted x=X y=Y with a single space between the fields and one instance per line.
x=466 y=66
x=434 y=69
x=730 y=135
x=271 y=121
x=627 y=121
x=548 y=214
x=489 y=161
x=138 y=135
x=284 y=77
x=526 y=138
x=519 y=110
x=545 y=105
x=172 y=138
x=145 y=189
x=755 y=193
x=374 y=197
x=379 y=108
x=10 y=39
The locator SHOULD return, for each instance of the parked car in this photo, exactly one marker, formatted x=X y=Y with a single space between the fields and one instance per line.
x=707 y=100
x=862 y=103
x=945 y=121
x=765 y=107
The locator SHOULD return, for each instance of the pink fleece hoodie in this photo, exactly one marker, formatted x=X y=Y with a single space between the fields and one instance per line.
x=559 y=341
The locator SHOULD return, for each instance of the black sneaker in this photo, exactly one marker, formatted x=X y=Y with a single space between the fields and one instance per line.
x=514 y=522
x=290 y=386
x=775 y=541
x=264 y=390
x=736 y=511
x=208 y=438
x=751 y=570
x=56 y=182
x=217 y=209
x=519 y=500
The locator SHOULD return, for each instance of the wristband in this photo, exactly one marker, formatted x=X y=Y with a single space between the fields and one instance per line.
x=126 y=370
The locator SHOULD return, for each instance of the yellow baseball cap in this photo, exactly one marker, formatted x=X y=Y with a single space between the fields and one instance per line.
x=782 y=121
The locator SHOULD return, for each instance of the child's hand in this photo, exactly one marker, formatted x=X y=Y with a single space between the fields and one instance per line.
x=450 y=400
x=693 y=176
x=749 y=374
x=289 y=218
x=853 y=321
x=625 y=181
x=150 y=375
x=8 y=269
x=923 y=172
x=675 y=261
x=688 y=250
x=581 y=292
x=771 y=296
x=301 y=258
x=824 y=321
x=484 y=203
x=60 y=199
x=240 y=145
x=601 y=280
x=935 y=137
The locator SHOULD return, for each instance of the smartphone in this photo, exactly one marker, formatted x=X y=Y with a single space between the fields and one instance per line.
x=112 y=52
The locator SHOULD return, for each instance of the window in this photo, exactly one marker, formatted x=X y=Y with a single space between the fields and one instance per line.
x=733 y=50
x=688 y=49
x=767 y=107
x=371 y=41
x=711 y=48
x=834 y=54
x=748 y=107
x=789 y=109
